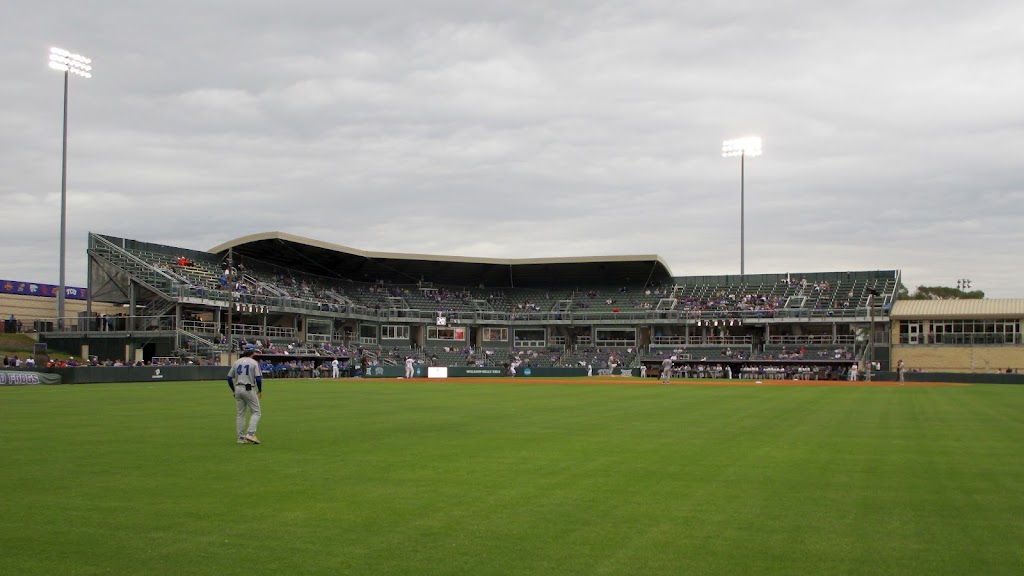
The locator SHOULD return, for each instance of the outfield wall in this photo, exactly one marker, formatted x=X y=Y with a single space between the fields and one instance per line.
x=474 y=372
x=946 y=358
x=96 y=375
x=99 y=374
x=951 y=377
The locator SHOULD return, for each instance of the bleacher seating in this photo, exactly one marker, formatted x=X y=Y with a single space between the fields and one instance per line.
x=699 y=297
x=695 y=297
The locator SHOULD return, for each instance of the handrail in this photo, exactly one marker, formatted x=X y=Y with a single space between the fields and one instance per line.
x=167 y=274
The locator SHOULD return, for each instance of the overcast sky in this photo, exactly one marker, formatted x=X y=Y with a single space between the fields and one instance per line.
x=893 y=131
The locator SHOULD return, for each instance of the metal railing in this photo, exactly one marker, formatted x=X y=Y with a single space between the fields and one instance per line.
x=812 y=339
x=702 y=340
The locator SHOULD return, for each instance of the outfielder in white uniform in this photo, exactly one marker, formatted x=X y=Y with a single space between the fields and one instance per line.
x=243 y=376
x=335 y=368
x=410 y=369
x=666 y=370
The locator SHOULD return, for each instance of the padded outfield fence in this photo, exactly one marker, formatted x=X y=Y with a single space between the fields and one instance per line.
x=97 y=375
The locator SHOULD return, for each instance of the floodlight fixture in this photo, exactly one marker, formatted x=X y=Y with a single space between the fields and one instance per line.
x=746 y=146
x=68 y=63
x=65 y=61
x=742 y=147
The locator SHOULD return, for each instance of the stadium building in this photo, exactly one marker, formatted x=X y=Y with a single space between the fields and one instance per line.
x=304 y=298
x=311 y=301
x=959 y=335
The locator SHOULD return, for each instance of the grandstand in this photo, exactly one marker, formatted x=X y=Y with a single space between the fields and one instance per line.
x=298 y=298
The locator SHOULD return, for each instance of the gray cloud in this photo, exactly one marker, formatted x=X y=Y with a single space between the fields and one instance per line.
x=893 y=131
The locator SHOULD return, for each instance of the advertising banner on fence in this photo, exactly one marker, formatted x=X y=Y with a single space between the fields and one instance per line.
x=36 y=289
x=475 y=372
x=385 y=371
x=18 y=378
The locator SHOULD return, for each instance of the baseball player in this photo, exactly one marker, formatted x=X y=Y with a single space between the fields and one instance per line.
x=666 y=370
x=335 y=368
x=243 y=376
x=410 y=370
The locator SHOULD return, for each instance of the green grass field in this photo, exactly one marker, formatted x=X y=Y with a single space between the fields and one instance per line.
x=490 y=477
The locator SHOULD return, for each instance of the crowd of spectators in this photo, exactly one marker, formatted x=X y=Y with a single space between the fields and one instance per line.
x=760 y=304
x=803 y=353
x=690 y=301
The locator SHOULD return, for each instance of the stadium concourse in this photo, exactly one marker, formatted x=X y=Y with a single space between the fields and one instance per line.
x=304 y=302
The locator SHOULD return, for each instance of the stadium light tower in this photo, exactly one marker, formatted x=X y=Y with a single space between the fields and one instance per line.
x=742 y=147
x=79 y=65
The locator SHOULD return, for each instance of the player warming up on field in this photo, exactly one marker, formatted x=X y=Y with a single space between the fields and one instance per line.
x=243 y=376
x=410 y=368
x=666 y=370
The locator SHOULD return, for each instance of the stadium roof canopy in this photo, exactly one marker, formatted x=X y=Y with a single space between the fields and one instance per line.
x=336 y=261
x=958 y=308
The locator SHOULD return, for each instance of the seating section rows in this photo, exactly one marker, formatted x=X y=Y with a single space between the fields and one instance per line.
x=762 y=295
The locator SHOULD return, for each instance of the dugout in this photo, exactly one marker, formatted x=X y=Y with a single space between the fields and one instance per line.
x=125 y=346
x=756 y=369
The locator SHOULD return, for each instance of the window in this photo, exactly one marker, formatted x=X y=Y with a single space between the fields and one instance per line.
x=367 y=333
x=394 y=332
x=318 y=330
x=615 y=337
x=973 y=332
x=495 y=334
x=910 y=332
x=529 y=338
x=445 y=333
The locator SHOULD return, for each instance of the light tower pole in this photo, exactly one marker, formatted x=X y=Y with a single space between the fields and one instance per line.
x=69 y=64
x=742 y=147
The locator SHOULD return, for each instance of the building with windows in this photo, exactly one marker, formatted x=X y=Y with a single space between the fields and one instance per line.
x=958 y=335
x=300 y=297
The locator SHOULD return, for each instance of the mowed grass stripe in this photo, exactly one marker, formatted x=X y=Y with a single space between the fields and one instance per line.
x=397 y=477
